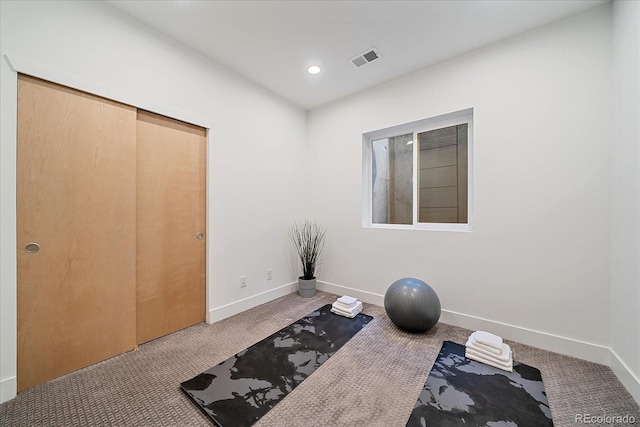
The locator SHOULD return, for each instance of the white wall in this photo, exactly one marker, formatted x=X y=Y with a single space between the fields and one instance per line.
x=256 y=144
x=625 y=196
x=537 y=262
x=553 y=259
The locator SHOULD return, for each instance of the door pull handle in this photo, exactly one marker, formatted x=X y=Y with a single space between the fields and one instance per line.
x=32 y=248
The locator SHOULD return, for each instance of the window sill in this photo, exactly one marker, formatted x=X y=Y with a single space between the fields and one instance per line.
x=423 y=226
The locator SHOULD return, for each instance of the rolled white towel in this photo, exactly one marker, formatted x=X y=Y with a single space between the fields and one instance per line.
x=335 y=307
x=470 y=354
x=346 y=313
x=503 y=354
x=347 y=300
x=472 y=341
x=345 y=306
x=508 y=360
x=489 y=339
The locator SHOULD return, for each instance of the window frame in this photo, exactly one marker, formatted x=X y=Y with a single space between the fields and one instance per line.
x=424 y=125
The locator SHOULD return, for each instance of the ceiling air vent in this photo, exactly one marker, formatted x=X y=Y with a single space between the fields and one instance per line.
x=365 y=57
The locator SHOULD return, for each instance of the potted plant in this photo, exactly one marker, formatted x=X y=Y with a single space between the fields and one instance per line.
x=308 y=239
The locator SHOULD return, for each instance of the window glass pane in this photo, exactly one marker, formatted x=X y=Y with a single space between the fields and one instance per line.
x=442 y=175
x=392 y=180
x=424 y=185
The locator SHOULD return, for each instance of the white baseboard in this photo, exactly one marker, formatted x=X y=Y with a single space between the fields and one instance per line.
x=8 y=388
x=218 y=313
x=559 y=344
x=563 y=345
x=626 y=376
x=363 y=296
x=556 y=343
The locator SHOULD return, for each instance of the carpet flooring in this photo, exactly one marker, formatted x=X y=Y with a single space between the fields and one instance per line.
x=374 y=380
x=240 y=390
x=461 y=391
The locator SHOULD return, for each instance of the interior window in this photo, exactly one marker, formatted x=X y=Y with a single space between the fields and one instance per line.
x=418 y=174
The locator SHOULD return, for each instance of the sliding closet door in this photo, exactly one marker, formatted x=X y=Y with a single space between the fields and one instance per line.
x=171 y=225
x=76 y=209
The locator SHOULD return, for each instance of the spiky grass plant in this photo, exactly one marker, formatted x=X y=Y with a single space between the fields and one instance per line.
x=308 y=239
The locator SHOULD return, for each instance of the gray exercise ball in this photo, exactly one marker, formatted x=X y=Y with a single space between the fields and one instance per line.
x=412 y=305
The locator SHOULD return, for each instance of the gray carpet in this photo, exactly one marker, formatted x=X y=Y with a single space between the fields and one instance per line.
x=374 y=380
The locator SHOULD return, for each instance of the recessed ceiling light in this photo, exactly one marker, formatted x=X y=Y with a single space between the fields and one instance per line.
x=314 y=69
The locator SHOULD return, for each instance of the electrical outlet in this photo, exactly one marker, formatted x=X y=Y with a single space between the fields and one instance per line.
x=269 y=274
x=243 y=281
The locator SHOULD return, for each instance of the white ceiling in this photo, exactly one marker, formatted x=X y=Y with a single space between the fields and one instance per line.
x=273 y=42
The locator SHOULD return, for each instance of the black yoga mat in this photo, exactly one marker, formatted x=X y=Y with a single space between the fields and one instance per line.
x=463 y=392
x=243 y=388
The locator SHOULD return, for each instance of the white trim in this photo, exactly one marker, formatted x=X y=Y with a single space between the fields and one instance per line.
x=6 y=59
x=556 y=343
x=219 y=313
x=8 y=388
x=8 y=244
x=367 y=187
x=443 y=120
x=16 y=64
x=25 y=66
x=415 y=180
x=430 y=226
x=563 y=345
x=208 y=284
x=424 y=125
x=628 y=379
x=364 y=296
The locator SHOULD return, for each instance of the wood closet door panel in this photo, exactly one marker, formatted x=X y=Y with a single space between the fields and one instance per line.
x=171 y=158
x=76 y=198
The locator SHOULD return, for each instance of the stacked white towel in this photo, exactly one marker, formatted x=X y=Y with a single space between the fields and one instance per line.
x=489 y=349
x=346 y=306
